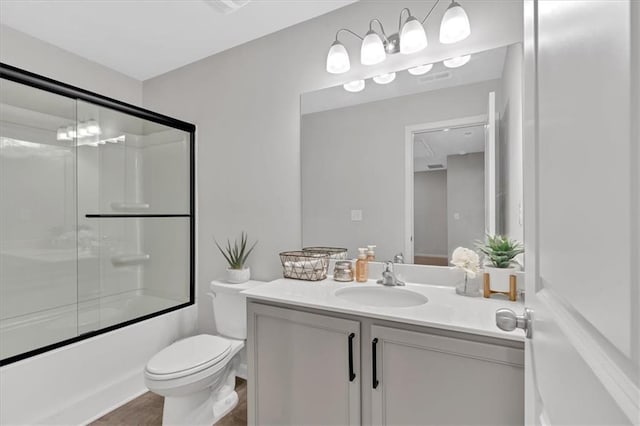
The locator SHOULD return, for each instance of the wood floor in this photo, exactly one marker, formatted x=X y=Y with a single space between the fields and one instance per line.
x=431 y=260
x=147 y=410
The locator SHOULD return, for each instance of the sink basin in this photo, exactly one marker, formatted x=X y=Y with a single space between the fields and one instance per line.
x=393 y=297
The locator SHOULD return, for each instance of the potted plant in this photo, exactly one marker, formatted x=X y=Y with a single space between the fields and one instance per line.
x=500 y=253
x=236 y=256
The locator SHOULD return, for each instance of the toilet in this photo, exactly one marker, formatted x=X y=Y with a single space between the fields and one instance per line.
x=196 y=375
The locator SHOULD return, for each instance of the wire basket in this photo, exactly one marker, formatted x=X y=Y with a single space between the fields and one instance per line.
x=335 y=253
x=304 y=265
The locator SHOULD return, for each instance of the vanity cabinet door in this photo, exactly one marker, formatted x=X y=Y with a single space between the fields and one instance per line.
x=304 y=369
x=425 y=379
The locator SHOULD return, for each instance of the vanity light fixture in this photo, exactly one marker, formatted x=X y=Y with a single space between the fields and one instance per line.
x=410 y=38
x=71 y=132
x=92 y=127
x=372 y=50
x=385 y=78
x=457 y=61
x=83 y=130
x=62 y=135
x=455 y=24
x=420 y=69
x=338 y=58
x=413 y=38
x=354 y=86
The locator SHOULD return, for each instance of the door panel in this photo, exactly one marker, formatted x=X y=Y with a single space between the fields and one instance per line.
x=491 y=168
x=584 y=151
x=581 y=211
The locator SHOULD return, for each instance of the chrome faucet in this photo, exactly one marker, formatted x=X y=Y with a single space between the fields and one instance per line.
x=389 y=277
x=398 y=258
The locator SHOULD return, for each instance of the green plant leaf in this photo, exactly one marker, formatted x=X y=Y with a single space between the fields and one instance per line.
x=500 y=250
x=237 y=254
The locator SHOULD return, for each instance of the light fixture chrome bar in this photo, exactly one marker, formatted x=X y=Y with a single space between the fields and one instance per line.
x=384 y=34
x=349 y=31
x=431 y=10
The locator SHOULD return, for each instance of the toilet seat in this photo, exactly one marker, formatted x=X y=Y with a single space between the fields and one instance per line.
x=188 y=356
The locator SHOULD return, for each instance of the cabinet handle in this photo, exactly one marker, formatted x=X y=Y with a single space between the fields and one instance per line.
x=375 y=381
x=352 y=375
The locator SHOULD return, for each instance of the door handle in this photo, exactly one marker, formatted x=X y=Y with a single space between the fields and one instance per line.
x=507 y=320
x=374 y=381
x=352 y=375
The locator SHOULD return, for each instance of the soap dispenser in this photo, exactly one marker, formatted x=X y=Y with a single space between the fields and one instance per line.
x=362 y=266
x=371 y=254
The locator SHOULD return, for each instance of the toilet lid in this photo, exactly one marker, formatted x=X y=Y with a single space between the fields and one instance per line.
x=203 y=350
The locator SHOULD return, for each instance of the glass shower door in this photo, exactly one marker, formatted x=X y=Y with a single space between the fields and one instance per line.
x=96 y=214
x=133 y=216
x=38 y=257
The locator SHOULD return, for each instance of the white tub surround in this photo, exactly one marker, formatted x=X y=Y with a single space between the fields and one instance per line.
x=444 y=310
x=79 y=383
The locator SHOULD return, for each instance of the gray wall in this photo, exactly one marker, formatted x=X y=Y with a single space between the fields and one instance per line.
x=430 y=213
x=465 y=200
x=354 y=158
x=26 y=52
x=510 y=138
x=246 y=103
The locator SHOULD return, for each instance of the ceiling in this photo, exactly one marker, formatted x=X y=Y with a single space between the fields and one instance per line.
x=146 y=38
x=433 y=147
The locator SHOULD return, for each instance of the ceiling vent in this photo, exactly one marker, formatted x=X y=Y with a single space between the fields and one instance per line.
x=439 y=76
x=226 y=6
x=435 y=166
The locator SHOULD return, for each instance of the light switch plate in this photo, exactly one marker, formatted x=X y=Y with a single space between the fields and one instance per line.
x=356 y=215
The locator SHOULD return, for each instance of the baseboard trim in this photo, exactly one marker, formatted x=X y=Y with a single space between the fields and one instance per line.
x=103 y=401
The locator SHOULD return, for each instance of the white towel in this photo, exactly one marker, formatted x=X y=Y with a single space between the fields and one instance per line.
x=303 y=266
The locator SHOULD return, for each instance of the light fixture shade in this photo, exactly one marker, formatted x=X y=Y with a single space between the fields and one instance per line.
x=385 y=78
x=71 y=132
x=372 y=49
x=82 y=130
x=457 y=61
x=420 y=69
x=412 y=37
x=93 y=128
x=61 y=134
x=354 y=86
x=338 y=59
x=455 y=24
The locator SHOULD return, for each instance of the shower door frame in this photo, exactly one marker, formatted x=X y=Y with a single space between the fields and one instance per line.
x=18 y=75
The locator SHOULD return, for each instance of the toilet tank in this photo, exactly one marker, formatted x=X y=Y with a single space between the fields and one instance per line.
x=230 y=308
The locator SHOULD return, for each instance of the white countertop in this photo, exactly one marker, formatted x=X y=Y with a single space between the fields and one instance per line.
x=445 y=309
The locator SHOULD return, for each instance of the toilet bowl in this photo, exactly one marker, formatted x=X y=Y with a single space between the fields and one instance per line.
x=196 y=375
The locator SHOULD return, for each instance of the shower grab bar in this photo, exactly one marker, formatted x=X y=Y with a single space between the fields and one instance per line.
x=129 y=259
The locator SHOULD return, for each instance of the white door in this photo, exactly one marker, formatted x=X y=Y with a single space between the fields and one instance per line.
x=582 y=218
x=304 y=369
x=490 y=168
x=424 y=379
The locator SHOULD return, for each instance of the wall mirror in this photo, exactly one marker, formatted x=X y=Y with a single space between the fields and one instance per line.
x=419 y=162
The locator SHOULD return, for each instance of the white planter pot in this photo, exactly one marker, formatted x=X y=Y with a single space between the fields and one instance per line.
x=499 y=277
x=238 y=276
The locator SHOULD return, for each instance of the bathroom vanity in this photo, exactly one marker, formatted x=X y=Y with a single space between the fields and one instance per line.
x=318 y=356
